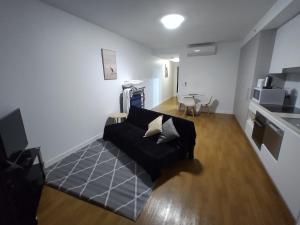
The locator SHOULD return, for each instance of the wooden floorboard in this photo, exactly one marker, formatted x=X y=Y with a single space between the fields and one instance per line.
x=224 y=185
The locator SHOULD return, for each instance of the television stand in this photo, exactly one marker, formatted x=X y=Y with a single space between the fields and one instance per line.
x=21 y=184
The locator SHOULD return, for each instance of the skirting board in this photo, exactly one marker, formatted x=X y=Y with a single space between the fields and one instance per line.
x=71 y=150
x=162 y=101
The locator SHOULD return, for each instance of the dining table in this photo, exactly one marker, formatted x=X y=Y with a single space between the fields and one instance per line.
x=195 y=95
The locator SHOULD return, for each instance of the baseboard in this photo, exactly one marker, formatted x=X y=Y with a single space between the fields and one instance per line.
x=71 y=150
x=162 y=101
x=166 y=99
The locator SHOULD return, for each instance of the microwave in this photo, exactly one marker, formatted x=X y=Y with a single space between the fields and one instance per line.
x=268 y=96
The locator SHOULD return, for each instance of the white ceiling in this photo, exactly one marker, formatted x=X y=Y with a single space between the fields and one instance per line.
x=206 y=20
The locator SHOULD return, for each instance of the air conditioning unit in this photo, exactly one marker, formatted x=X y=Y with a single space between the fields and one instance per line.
x=202 y=49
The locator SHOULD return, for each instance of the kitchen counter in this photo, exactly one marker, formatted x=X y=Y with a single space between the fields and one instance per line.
x=293 y=121
x=276 y=117
x=283 y=170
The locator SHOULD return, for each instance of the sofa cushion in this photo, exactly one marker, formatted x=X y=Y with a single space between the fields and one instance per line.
x=131 y=137
x=158 y=153
x=151 y=156
x=142 y=117
x=185 y=128
x=168 y=133
x=154 y=127
x=124 y=133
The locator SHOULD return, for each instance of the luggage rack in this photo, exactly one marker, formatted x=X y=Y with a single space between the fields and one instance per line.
x=136 y=94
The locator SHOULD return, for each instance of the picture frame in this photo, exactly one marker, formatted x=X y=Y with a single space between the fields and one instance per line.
x=166 y=71
x=109 y=62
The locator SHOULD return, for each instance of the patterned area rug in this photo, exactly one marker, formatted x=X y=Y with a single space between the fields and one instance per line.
x=102 y=174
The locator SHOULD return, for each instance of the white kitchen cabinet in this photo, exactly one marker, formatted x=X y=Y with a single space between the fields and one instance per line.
x=286 y=52
x=249 y=128
x=255 y=59
x=284 y=171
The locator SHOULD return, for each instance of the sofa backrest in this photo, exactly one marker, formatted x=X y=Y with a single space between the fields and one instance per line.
x=142 y=117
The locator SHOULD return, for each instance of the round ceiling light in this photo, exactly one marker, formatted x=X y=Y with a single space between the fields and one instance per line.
x=172 y=21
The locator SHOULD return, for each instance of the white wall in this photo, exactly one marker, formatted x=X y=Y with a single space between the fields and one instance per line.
x=158 y=87
x=212 y=75
x=173 y=72
x=286 y=54
x=292 y=85
x=174 y=66
x=286 y=51
x=281 y=11
x=50 y=63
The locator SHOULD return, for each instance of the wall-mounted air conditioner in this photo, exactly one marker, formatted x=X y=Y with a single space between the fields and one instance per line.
x=202 y=49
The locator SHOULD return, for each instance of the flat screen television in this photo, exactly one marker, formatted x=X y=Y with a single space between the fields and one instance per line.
x=13 y=138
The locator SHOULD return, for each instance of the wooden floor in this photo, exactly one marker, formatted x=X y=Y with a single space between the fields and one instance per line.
x=224 y=185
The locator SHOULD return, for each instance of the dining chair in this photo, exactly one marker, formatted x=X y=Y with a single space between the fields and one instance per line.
x=197 y=105
x=207 y=103
x=189 y=104
x=180 y=101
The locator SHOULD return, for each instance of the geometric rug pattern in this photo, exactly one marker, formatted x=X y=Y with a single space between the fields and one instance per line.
x=102 y=174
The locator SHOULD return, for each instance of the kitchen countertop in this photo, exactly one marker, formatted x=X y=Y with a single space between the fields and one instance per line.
x=293 y=121
x=284 y=170
x=276 y=118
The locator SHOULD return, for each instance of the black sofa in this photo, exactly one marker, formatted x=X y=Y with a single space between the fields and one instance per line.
x=128 y=136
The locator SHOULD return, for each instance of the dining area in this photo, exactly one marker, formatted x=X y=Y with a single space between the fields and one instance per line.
x=195 y=103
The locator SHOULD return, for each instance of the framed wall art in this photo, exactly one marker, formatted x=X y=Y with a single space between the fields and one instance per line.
x=166 y=71
x=109 y=62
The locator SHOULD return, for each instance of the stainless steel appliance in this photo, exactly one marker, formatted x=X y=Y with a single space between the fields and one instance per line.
x=268 y=82
x=259 y=129
x=268 y=96
x=273 y=139
x=267 y=133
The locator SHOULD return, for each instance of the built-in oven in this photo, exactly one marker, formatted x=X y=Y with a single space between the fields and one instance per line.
x=259 y=129
x=267 y=133
x=273 y=138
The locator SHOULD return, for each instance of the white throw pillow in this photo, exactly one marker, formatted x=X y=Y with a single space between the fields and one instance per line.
x=155 y=127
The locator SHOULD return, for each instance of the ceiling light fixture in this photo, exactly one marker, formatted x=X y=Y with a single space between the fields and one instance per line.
x=175 y=59
x=172 y=21
x=197 y=50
